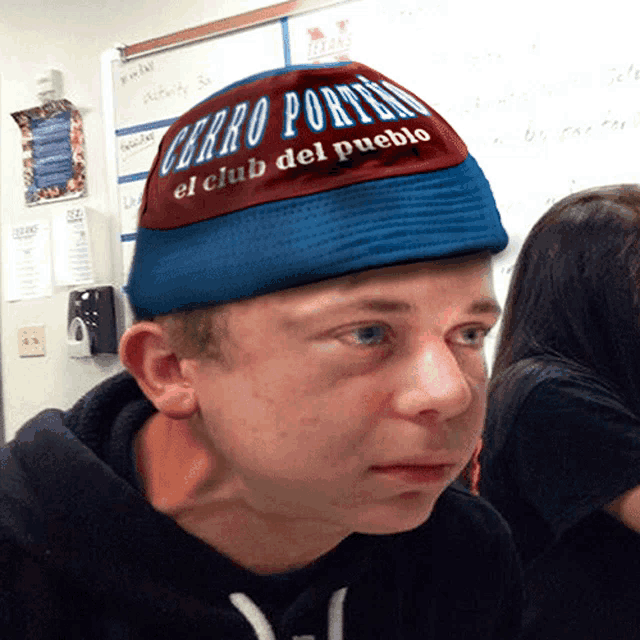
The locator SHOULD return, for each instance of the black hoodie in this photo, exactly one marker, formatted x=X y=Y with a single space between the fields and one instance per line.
x=84 y=556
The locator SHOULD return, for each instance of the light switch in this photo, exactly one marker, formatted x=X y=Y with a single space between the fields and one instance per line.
x=31 y=342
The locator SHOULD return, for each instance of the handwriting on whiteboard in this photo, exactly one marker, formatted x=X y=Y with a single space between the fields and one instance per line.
x=623 y=75
x=137 y=72
x=606 y=124
x=161 y=92
x=133 y=144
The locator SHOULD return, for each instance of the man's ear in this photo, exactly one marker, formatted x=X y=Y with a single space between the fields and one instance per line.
x=145 y=352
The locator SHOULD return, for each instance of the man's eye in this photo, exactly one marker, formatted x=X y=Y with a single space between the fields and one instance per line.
x=472 y=336
x=369 y=336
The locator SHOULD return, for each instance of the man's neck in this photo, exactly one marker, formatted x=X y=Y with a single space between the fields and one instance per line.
x=182 y=480
x=259 y=545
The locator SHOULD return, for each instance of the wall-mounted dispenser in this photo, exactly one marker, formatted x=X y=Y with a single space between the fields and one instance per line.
x=49 y=86
x=91 y=322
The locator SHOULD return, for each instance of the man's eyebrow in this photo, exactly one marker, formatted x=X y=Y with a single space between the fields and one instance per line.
x=486 y=305
x=477 y=307
x=382 y=304
x=368 y=304
x=389 y=305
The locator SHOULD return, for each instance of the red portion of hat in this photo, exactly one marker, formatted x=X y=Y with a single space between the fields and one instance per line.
x=246 y=146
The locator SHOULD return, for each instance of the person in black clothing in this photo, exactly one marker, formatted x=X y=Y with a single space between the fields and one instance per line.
x=305 y=380
x=561 y=456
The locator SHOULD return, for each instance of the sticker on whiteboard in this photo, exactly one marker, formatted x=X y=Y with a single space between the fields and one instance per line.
x=323 y=36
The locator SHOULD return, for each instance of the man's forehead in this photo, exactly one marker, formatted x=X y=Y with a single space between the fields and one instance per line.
x=385 y=289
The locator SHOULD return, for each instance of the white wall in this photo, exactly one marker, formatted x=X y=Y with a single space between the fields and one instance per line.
x=68 y=35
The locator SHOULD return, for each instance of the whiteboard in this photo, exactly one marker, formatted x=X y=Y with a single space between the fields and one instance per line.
x=144 y=95
x=546 y=96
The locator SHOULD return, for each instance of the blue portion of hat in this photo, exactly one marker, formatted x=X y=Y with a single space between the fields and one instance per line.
x=278 y=245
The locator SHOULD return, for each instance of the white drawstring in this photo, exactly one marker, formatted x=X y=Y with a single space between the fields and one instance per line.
x=254 y=616
x=336 y=614
x=263 y=629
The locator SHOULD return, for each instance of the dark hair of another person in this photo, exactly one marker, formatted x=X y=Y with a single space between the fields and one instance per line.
x=574 y=292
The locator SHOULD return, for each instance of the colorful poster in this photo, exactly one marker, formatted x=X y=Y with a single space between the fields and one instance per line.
x=53 y=158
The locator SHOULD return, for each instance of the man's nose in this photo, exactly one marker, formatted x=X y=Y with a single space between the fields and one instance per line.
x=433 y=381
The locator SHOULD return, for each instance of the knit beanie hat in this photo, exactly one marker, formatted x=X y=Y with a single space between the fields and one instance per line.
x=298 y=175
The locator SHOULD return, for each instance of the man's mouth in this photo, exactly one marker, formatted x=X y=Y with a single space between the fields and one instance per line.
x=416 y=473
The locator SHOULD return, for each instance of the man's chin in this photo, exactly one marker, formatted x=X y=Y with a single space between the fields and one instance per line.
x=395 y=521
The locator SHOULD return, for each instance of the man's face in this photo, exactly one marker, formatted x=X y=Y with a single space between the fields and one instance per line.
x=355 y=401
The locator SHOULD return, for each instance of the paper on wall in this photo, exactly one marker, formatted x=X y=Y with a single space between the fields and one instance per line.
x=72 y=252
x=29 y=261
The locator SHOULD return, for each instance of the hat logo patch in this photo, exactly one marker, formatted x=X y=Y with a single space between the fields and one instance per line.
x=305 y=113
x=195 y=144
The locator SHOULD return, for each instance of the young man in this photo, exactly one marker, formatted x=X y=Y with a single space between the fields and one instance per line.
x=305 y=381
